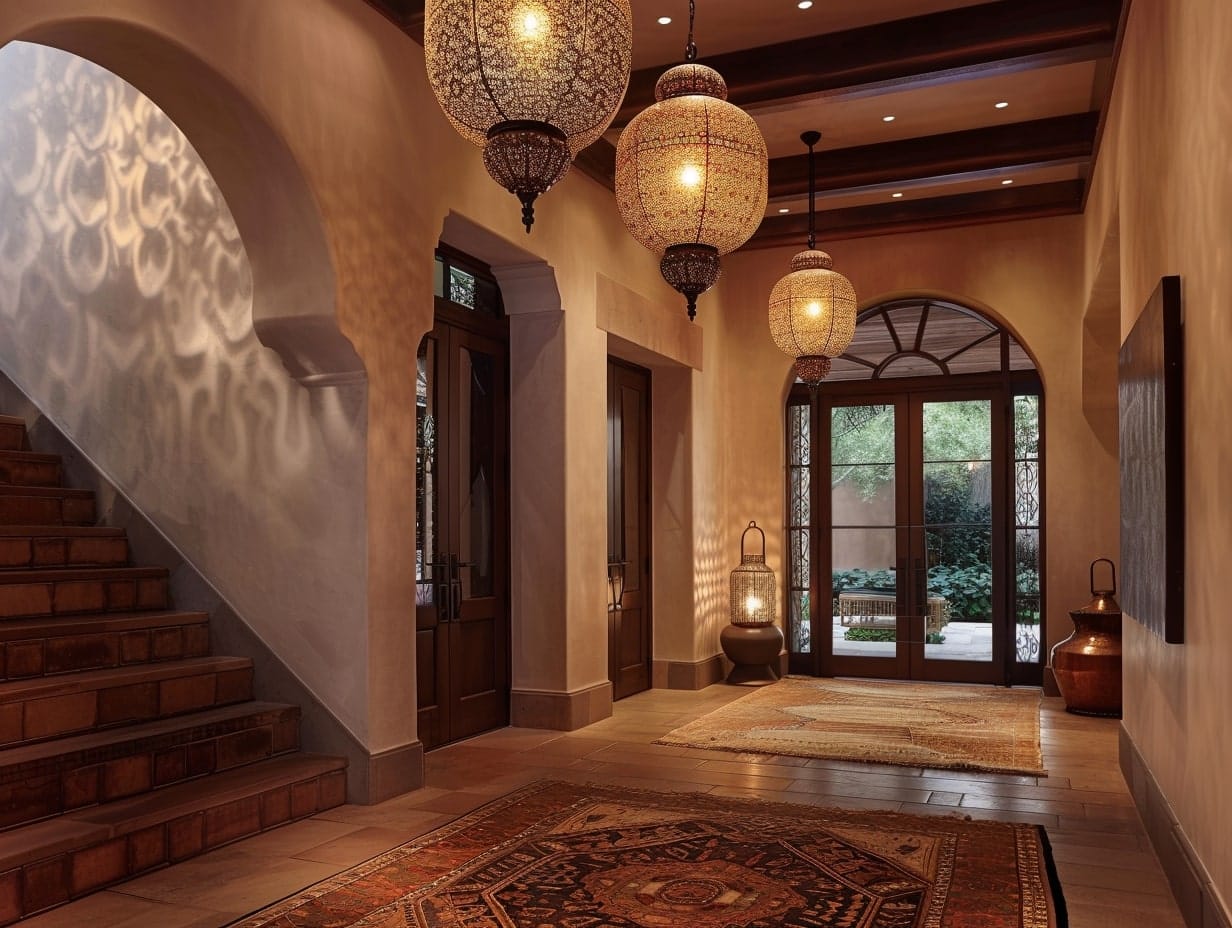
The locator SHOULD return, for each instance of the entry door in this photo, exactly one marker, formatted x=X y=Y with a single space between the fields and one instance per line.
x=628 y=443
x=462 y=556
x=914 y=563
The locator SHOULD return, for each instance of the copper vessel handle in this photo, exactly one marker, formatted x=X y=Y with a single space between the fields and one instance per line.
x=1108 y=561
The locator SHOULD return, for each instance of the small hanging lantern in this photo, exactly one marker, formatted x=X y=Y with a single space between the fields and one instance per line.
x=532 y=82
x=752 y=642
x=813 y=308
x=691 y=175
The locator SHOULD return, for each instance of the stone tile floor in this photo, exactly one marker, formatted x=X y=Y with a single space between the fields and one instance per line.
x=1109 y=873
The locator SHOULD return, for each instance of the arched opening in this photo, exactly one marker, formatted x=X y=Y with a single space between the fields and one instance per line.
x=914 y=502
x=293 y=303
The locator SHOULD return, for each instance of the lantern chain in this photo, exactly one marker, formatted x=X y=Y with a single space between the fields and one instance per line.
x=690 y=50
x=810 y=139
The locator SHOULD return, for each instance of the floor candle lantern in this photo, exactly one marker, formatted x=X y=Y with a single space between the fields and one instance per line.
x=752 y=642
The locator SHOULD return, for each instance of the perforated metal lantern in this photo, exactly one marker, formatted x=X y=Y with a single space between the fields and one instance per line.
x=691 y=175
x=532 y=82
x=752 y=586
x=813 y=308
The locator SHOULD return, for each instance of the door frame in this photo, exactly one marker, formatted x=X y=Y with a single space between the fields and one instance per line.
x=646 y=540
x=495 y=331
x=1001 y=388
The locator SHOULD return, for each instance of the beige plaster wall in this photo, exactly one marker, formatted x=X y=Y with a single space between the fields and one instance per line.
x=345 y=93
x=1163 y=176
x=1029 y=275
x=126 y=314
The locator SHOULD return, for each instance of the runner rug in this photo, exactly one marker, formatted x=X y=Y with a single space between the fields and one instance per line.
x=911 y=724
x=588 y=856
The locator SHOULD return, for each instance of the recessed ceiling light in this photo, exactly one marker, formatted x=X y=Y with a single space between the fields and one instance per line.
x=784 y=209
x=665 y=20
x=888 y=118
x=805 y=4
x=1002 y=105
x=896 y=195
x=1007 y=182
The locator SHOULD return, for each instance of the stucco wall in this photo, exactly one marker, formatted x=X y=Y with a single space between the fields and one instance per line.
x=1027 y=274
x=1163 y=176
x=126 y=314
x=382 y=170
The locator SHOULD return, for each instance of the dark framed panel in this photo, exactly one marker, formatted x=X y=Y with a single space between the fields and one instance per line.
x=1152 y=446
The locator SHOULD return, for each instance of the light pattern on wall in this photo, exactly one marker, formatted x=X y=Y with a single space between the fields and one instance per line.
x=126 y=303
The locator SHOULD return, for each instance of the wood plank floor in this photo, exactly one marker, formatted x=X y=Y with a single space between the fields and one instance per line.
x=1109 y=873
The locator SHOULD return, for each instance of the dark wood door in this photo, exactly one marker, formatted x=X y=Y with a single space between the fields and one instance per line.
x=914 y=560
x=462 y=569
x=628 y=468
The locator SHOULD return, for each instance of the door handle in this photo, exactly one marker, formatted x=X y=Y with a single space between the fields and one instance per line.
x=455 y=588
x=442 y=602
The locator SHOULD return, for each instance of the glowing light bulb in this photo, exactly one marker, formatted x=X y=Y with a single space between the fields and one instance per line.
x=752 y=605
x=813 y=309
x=690 y=176
x=533 y=24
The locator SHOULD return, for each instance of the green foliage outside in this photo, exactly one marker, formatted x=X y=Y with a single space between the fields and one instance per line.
x=886 y=634
x=957 y=496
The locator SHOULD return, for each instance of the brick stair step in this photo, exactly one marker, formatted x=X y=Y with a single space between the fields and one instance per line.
x=62 y=591
x=52 y=777
x=46 y=506
x=48 y=863
x=50 y=707
x=26 y=547
x=63 y=644
x=29 y=469
x=12 y=433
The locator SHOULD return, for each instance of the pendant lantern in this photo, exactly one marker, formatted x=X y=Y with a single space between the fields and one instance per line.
x=691 y=175
x=532 y=82
x=813 y=308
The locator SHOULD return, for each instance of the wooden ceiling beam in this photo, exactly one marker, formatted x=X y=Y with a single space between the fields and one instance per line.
x=1001 y=37
x=1038 y=143
x=1027 y=202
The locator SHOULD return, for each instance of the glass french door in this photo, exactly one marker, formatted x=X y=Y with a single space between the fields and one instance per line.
x=911 y=541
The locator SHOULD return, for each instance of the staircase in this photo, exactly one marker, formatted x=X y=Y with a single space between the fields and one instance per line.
x=124 y=744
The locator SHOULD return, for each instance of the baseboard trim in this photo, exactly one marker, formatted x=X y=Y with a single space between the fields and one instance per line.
x=687 y=675
x=560 y=711
x=1195 y=892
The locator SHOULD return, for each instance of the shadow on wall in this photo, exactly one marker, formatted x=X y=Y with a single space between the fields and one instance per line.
x=126 y=314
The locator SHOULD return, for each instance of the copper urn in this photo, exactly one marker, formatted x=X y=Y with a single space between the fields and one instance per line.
x=1087 y=664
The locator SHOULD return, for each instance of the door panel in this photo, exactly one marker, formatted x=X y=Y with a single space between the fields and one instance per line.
x=629 y=627
x=462 y=625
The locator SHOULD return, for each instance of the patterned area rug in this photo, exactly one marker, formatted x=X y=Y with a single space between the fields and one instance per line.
x=911 y=724
x=587 y=856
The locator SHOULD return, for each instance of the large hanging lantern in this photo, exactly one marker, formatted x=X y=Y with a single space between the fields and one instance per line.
x=691 y=175
x=813 y=308
x=532 y=82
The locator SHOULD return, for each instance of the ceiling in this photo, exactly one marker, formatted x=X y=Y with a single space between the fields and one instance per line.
x=939 y=67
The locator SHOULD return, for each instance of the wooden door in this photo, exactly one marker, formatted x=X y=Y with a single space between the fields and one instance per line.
x=628 y=442
x=462 y=593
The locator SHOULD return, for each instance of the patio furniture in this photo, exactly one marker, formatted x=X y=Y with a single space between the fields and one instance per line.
x=858 y=608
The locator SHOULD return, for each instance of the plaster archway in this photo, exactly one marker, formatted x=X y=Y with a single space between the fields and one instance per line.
x=274 y=209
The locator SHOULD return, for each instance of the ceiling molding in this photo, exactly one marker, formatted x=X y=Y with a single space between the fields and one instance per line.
x=407 y=15
x=1026 y=202
x=1038 y=143
x=1002 y=37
